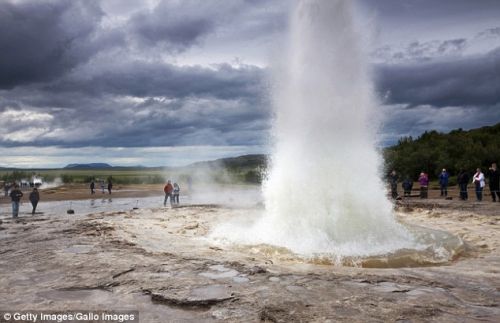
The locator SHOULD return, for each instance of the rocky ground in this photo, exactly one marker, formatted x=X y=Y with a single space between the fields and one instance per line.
x=158 y=261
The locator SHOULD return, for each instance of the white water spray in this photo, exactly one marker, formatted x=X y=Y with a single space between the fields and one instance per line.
x=323 y=194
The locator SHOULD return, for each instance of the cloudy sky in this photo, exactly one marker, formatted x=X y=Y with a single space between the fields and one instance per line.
x=171 y=82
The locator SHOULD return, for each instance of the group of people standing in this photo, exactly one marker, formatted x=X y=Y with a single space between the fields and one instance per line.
x=463 y=180
x=101 y=183
x=479 y=182
x=172 y=192
x=16 y=195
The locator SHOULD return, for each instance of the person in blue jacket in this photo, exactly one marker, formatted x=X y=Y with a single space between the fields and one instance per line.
x=443 y=182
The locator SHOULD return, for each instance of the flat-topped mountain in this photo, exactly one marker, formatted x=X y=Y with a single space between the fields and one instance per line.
x=88 y=166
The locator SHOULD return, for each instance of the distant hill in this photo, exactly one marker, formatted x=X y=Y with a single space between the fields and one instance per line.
x=247 y=168
x=456 y=150
x=246 y=161
x=88 y=166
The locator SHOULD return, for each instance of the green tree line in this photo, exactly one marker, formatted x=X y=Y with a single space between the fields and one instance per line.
x=455 y=151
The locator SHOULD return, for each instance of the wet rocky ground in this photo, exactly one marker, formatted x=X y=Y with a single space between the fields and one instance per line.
x=158 y=261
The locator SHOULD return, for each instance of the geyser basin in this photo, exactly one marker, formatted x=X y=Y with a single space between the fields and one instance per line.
x=323 y=196
x=429 y=248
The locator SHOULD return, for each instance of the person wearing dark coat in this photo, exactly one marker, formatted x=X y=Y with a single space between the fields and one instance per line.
x=110 y=186
x=463 y=180
x=393 y=180
x=15 y=196
x=92 y=187
x=34 y=198
x=494 y=182
x=407 y=186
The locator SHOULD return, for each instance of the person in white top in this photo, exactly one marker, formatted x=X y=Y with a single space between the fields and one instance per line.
x=478 y=181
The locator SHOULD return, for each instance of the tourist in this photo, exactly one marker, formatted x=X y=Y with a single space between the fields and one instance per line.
x=393 y=180
x=463 y=182
x=110 y=185
x=101 y=182
x=6 y=188
x=494 y=182
x=478 y=181
x=423 y=180
x=15 y=196
x=443 y=182
x=168 y=189
x=34 y=198
x=177 y=191
x=407 y=186
x=92 y=187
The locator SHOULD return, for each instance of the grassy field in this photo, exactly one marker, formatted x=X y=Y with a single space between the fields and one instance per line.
x=137 y=176
x=243 y=169
x=118 y=176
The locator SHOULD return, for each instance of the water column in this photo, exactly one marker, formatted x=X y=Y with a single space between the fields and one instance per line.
x=324 y=193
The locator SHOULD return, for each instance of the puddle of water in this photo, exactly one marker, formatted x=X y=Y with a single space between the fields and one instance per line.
x=90 y=206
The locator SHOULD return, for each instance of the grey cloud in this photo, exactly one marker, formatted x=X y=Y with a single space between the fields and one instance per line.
x=146 y=79
x=438 y=49
x=421 y=51
x=42 y=40
x=430 y=10
x=467 y=81
x=413 y=122
x=94 y=84
x=489 y=33
x=230 y=113
x=177 y=25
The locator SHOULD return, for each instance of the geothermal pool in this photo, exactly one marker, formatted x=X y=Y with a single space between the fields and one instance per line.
x=242 y=209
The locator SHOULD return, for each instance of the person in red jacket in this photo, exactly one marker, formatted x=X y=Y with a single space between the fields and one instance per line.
x=168 y=189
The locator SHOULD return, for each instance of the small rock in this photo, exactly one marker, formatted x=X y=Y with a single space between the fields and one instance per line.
x=191 y=226
x=257 y=270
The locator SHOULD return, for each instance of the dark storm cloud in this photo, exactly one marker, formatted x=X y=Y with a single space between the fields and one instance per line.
x=73 y=76
x=78 y=82
x=177 y=25
x=462 y=81
x=42 y=40
x=115 y=121
x=145 y=79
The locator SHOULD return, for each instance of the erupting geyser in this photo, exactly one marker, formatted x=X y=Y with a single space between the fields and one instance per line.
x=323 y=194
